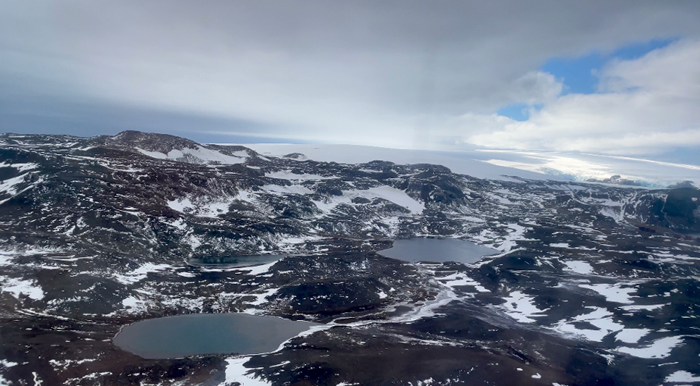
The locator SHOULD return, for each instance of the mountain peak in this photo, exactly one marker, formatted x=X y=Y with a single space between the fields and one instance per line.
x=152 y=142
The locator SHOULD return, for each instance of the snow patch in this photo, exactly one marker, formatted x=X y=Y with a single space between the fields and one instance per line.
x=682 y=376
x=9 y=186
x=640 y=307
x=134 y=305
x=6 y=363
x=599 y=317
x=236 y=372
x=18 y=287
x=262 y=298
x=293 y=189
x=612 y=292
x=202 y=207
x=660 y=348
x=180 y=205
x=140 y=273
x=288 y=175
x=199 y=155
x=23 y=167
x=516 y=234
x=460 y=280
x=580 y=267
x=559 y=245
x=520 y=307
x=256 y=269
x=398 y=197
x=631 y=335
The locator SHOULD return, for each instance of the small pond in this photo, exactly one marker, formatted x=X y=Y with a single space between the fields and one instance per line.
x=199 y=334
x=437 y=250
x=235 y=261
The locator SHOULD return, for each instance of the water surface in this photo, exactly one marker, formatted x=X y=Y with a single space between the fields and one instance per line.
x=437 y=250
x=198 y=334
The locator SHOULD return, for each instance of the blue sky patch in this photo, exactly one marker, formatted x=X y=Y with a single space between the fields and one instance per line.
x=518 y=111
x=578 y=74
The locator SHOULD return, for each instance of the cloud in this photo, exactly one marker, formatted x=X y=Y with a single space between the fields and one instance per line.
x=408 y=74
x=535 y=87
x=647 y=105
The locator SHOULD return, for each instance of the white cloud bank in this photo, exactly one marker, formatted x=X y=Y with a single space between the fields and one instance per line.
x=401 y=74
x=643 y=106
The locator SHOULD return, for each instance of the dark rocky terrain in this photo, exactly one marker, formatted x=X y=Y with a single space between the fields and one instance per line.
x=593 y=284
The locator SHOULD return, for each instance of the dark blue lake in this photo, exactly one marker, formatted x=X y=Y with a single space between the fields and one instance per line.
x=437 y=250
x=199 y=334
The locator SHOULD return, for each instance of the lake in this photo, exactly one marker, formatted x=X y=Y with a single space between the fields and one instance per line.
x=437 y=250
x=199 y=334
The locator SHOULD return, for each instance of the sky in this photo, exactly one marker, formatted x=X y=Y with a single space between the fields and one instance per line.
x=616 y=78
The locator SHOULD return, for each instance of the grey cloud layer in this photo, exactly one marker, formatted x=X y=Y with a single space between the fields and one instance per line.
x=393 y=73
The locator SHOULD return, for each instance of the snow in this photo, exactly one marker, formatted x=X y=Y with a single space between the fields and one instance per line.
x=6 y=258
x=293 y=189
x=631 y=335
x=140 y=273
x=516 y=234
x=388 y=193
x=9 y=185
x=660 y=348
x=179 y=224
x=203 y=207
x=643 y=307
x=199 y=153
x=682 y=376
x=134 y=305
x=7 y=363
x=520 y=307
x=37 y=380
x=261 y=298
x=152 y=154
x=257 y=269
x=426 y=310
x=180 y=205
x=236 y=372
x=559 y=245
x=612 y=292
x=394 y=195
x=213 y=209
x=616 y=214
x=599 y=317
x=580 y=267
x=459 y=280
x=18 y=287
x=22 y=167
x=288 y=175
